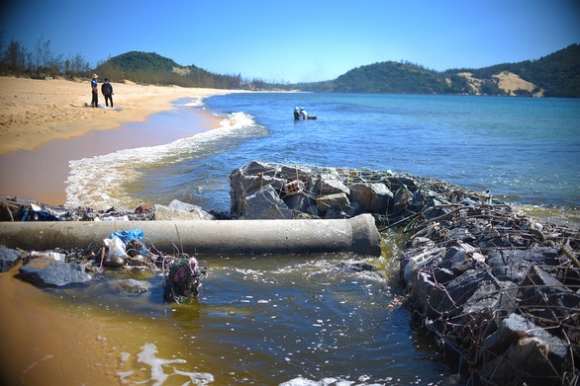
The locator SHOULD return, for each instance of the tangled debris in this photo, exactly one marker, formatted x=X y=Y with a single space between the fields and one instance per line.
x=182 y=279
x=498 y=290
x=123 y=250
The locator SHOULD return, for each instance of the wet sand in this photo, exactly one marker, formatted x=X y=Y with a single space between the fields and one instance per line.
x=44 y=345
x=44 y=125
x=41 y=173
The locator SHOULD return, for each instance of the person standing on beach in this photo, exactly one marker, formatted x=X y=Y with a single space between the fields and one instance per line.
x=95 y=89
x=107 y=91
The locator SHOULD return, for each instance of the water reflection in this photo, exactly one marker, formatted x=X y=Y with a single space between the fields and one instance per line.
x=265 y=320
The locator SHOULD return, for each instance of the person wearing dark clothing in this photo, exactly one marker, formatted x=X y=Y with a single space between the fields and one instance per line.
x=107 y=91
x=296 y=114
x=95 y=90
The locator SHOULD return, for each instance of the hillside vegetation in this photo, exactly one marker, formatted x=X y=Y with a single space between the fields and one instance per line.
x=555 y=75
x=152 y=68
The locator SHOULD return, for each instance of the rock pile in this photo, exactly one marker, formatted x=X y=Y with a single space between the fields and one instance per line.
x=26 y=209
x=495 y=287
x=498 y=289
x=266 y=190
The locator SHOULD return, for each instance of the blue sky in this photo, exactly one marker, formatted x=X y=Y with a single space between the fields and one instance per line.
x=298 y=41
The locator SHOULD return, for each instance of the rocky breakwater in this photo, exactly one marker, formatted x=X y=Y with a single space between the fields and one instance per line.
x=497 y=289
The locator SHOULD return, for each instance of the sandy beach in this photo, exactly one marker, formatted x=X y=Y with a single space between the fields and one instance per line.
x=45 y=123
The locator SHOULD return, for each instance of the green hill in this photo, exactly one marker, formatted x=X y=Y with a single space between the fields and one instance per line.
x=152 y=68
x=558 y=73
x=391 y=77
x=137 y=60
x=555 y=75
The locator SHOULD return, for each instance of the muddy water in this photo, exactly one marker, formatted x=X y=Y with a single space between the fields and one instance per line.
x=44 y=345
x=261 y=320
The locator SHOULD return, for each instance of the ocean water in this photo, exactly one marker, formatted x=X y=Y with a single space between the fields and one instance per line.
x=526 y=151
x=298 y=320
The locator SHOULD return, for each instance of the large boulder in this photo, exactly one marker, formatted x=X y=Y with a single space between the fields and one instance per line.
x=177 y=210
x=514 y=265
x=336 y=201
x=328 y=184
x=9 y=258
x=521 y=345
x=46 y=272
x=266 y=204
x=372 y=197
x=299 y=202
x=131 y=286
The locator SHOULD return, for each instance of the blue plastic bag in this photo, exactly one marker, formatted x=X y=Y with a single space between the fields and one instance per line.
x=127 y=236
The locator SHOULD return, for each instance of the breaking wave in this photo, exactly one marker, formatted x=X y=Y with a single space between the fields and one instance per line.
x=101 y=182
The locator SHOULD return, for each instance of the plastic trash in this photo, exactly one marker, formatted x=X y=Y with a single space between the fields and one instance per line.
x=127 y=236
x=120 y=218
x=116 y=253
x=49 y=254
x=36 y=213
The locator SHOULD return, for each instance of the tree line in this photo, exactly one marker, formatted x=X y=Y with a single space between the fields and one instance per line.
x=558 y=73
x=16 y=59
x=139 y=67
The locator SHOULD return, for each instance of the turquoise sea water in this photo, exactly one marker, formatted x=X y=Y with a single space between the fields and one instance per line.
x=298 y=320
x=526 y=151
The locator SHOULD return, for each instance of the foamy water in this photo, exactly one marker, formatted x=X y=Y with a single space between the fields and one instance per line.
x=159 y=370
x=101 y=182
x=526 y=151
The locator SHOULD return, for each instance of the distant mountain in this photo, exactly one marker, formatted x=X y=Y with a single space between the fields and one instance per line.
x=137 y=60
x=152 y=68
x=390 y=77
x=556 y=75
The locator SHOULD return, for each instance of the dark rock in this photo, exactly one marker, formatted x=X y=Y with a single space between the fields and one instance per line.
x=520 y=347
x=266 y=204
x=51 y=273
x=300 y=202
x=514 y=265
x=332 y=213
x=356 y=267
x=337 y=201
x=9 y=258
x=130 y=286
x=546 y=298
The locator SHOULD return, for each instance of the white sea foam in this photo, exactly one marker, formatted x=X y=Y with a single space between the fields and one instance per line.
x=195 y=101
x=301 y=381
x=100 y=182
x=158 y=366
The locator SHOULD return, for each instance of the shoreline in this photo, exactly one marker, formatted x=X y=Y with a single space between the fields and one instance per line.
x=40 y=132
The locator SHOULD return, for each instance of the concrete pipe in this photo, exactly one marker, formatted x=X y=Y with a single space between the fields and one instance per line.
x=358 y=235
